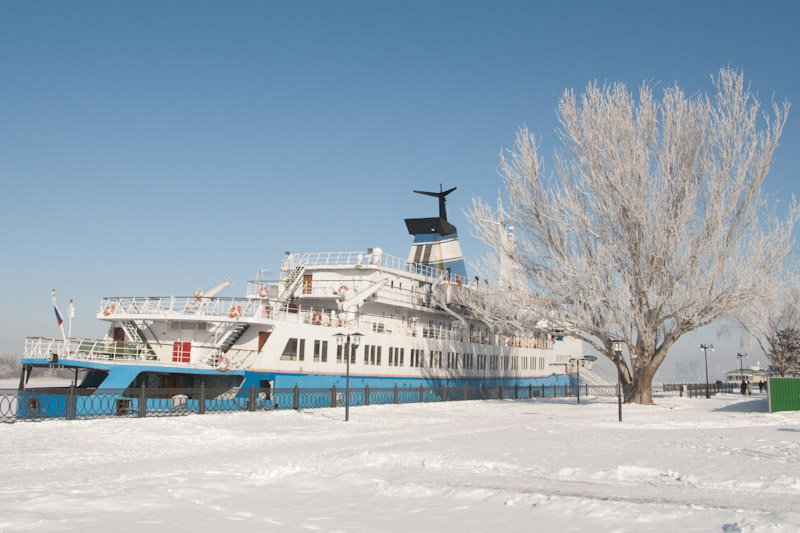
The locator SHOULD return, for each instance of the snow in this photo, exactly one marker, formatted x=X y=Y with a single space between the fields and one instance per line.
x=723 y=464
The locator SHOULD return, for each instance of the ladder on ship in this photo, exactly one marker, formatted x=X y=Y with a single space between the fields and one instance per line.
x=292 y=279
x=135 y=334
x=234 y=336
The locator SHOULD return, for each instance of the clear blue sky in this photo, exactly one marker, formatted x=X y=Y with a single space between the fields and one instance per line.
x=151 y=148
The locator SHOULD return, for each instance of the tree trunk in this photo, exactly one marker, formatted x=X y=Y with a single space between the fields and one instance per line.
x=643 y=386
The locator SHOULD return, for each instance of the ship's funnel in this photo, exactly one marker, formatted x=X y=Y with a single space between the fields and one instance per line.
x=436 y=240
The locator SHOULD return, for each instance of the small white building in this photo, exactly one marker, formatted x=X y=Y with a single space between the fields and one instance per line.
x=752 y=374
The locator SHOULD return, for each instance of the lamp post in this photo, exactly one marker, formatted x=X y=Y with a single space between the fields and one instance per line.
x=741 y=368
x=579 y=362
x=616 y=346
x=343 y=340
x=704 y=348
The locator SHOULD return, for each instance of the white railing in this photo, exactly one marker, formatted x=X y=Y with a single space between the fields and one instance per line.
x=331 y=289
x=228 y=309
x=87 y=349
x=180 y=305
x=127 y=352
x=363 y=259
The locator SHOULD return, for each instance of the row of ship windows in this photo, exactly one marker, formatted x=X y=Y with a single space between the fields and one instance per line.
x=371 y=354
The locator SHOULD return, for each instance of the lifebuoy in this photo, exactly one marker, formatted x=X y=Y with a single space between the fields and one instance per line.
x=108 y=310
x=235 y=311
x=264 y=291
x=343 y=288
x=317 y=317
x=223 y=364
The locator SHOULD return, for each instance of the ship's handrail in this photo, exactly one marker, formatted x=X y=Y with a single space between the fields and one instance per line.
x=122 y=352
x=180 y=305
x=246 y=309
x=365 y=259
x=85 y=349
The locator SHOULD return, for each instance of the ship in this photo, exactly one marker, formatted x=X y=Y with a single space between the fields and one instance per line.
x=407 y=326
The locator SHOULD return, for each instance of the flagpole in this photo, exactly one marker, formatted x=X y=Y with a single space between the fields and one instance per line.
x=60 y=322
x=70 y=314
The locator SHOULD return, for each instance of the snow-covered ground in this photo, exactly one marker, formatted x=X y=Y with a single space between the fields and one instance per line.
x=723 y=464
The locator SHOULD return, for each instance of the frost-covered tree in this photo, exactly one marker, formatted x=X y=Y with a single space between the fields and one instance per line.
x=775 y=325
x=784 y=353
x=655 y=221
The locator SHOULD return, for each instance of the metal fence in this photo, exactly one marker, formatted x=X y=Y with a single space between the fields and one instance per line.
x=694 y=390
x=81 y=404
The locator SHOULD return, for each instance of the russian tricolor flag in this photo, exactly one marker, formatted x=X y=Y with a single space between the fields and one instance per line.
x=58 y=315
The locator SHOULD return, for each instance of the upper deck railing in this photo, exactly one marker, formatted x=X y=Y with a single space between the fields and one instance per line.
x=356 y=259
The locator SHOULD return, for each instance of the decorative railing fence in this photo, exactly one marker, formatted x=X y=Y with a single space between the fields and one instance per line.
x=694 y=390
x=80 y=404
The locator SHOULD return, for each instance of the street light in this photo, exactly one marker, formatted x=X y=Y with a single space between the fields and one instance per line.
x=579 y=362
x=704 y=349
x=616 y=346
x=343 y=340
x=741 y=369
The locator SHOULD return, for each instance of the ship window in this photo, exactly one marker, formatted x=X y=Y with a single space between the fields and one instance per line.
x=290 y=351
x=402 y=350
x=391 y=356
x=366 y=354
x=340 y=350
x=321 y=351
x=301 y=353
x=307 y=284
x=378 y=356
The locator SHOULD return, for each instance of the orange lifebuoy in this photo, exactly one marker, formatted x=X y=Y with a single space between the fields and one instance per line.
x=317 y=317
x=343 y=288
x=235 y=311
x=223 y=364
x=108 y=310
x=264 y=291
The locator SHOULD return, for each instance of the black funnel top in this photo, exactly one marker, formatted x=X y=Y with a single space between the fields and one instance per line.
x=440 y=225
x=441 y=196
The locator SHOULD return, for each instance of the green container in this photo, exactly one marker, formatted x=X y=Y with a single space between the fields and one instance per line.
x=784 y=394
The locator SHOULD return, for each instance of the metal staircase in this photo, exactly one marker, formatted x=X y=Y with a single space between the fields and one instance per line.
x=135 y=334
x=234 y=336
x=292 y=279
